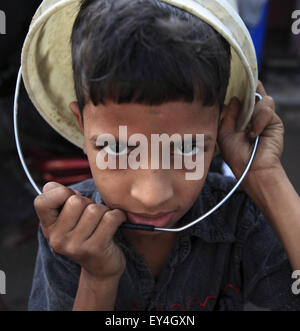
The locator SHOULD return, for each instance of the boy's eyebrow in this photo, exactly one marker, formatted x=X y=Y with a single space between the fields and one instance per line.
x=93 y=139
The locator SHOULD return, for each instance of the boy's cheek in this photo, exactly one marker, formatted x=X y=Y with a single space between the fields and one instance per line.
x=113 y=186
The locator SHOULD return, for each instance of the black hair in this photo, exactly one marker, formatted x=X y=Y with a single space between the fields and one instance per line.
x=147 y=52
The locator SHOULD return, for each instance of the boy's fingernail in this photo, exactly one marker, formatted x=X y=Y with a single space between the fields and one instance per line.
x=77 y=192
x=252 y=134
x=49 y=186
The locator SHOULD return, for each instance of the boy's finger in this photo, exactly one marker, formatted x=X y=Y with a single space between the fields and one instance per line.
x=108 y=226
x=89 y=221
x=50 y=186
x=260 y=89
x=265 y=102
x=229 y=116
x=48 y=204
x=260 y=120
x=70 y=214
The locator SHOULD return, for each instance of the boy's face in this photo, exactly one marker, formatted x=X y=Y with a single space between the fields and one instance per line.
x=148 y=191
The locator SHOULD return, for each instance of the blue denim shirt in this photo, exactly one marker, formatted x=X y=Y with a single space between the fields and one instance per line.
x=230 y=260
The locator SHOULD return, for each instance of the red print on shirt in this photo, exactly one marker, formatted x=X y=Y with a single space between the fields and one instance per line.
x=202 y=304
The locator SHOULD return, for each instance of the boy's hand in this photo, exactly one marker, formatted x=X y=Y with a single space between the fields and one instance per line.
x=236 y=147
x=81 y=230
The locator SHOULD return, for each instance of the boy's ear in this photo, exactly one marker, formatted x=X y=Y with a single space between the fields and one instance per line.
x=77 y=113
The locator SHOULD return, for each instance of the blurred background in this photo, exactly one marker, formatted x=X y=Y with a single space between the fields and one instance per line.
x=50 y=157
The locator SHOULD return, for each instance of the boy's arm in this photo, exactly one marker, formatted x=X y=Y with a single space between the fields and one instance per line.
x=266 y=271
x=275 y=196
x=266 y=182
x=55 y=280
x=78 y=230
x=96 y=294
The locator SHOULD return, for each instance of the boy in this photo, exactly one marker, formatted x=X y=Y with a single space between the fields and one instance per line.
x=142 y=64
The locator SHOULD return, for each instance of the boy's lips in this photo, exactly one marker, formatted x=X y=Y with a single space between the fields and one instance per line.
x=158 y=220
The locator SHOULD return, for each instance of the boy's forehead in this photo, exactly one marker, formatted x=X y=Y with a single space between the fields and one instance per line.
x=168 y=116
x=147 y=120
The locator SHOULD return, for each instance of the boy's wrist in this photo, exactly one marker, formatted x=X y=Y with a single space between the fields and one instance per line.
x=96 y=293
x=265 y=179
x=275 y=196
x=96 y=281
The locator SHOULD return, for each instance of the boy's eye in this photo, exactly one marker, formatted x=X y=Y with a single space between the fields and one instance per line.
x=116 y=149
x=187 y=149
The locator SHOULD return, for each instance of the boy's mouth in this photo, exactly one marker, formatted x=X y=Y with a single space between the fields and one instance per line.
x=158 y=220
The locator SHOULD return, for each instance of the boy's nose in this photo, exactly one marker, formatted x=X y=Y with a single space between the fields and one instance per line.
x=152 y=188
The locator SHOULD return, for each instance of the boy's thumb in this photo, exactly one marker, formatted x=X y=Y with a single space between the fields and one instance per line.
x=229 y=115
